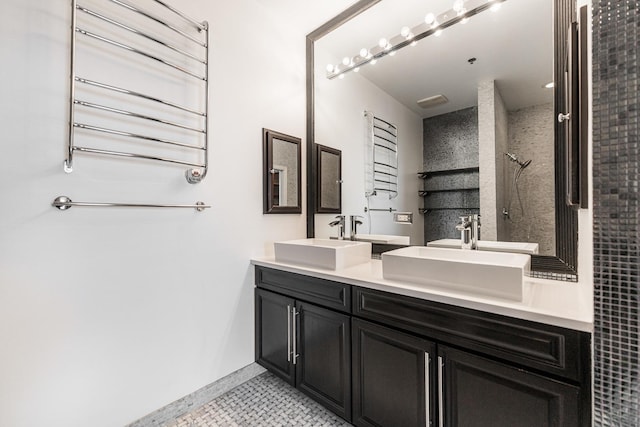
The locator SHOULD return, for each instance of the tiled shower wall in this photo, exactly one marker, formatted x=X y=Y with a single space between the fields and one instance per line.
x=616 y=37
x=450 y=141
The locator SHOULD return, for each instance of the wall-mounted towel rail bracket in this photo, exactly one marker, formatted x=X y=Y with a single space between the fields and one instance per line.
x=64 y=203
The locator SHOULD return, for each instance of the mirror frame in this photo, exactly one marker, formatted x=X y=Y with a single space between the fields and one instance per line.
x=564 y=264
x=267 y=176
x=336 y=152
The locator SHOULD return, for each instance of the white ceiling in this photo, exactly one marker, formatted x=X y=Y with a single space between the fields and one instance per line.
x=513 y=46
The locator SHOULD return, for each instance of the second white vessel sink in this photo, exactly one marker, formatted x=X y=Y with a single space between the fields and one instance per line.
x=495 y=274
x=323 y=253
x=489 y=245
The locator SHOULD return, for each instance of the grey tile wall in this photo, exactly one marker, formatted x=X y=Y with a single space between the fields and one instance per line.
x=450 y=141
x=616 y=167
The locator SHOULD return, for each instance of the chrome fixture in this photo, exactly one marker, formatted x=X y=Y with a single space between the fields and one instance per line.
x=340 y=222
x=431 y=25
x=381 y=164
x=196 y=54
x=469 y=227
x=64 y=203
x=515 y=159
x=366 y=209
x=354 y=226
x=506 y=212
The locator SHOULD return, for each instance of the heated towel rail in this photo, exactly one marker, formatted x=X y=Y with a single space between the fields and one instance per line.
x=381 y=166
x=125 y=46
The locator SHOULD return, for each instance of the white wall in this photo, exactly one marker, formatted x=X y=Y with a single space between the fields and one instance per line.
x=340 y=123
x=109 y=314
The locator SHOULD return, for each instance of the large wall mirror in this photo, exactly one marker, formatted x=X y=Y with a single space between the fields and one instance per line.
x=475 y=115
x=281 y=173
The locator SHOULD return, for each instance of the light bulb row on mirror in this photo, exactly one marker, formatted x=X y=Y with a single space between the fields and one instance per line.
x=459 y=12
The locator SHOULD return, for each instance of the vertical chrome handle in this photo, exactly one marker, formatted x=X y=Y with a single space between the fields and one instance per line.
x=440 y=392
x=295 y=336
x=288 y=333
x=427 y=390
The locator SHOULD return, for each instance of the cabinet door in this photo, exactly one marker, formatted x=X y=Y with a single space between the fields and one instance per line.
x=323 y=367
x=482 y=393
x=273 y=333
x=393 y=377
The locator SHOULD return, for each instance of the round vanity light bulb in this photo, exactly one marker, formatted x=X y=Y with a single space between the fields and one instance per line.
x=383 y=43
x=405 y=31
x=458 y=6
x=330 y=68
x=364 y=52
x=346 y=60
x=430 y=18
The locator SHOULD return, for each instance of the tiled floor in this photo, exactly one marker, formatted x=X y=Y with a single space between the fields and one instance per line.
x=263 y=401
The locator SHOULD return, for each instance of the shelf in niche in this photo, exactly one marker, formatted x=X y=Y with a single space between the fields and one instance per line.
x=429 y=174
x=425 y=193
x=423 y=211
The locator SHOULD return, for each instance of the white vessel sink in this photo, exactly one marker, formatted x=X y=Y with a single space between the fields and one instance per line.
x=496 y=274
x=488 y=245
x=323 y=253
x=383 y=238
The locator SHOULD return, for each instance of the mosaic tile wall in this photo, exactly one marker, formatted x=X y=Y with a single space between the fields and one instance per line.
x=450 y=141
x=616 y=36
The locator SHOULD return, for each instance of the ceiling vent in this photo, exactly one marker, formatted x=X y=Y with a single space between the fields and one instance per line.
x=433 y=101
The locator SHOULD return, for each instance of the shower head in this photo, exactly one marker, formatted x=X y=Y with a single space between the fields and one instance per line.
x=515 y=159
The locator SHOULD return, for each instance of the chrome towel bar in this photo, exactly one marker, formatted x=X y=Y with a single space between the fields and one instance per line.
x=63 y=203
x=366 y=209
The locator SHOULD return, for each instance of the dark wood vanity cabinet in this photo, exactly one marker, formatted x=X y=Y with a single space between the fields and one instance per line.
x=393 y=377
x=307 y=345
x=479 y=392
x=273 y=333
x=382 y=359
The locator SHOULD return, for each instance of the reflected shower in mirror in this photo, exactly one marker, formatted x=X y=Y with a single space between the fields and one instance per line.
x=461 y=98
x=281 y=175
x=329 y=181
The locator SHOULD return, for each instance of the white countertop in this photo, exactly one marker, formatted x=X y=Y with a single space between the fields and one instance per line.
x=564 y=304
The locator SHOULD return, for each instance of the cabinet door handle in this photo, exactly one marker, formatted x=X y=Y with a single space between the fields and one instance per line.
x=295 y=335
x=427 y=390
x=288 y=333
x=440 y=392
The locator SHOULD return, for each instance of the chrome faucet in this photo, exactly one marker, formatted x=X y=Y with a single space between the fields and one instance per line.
x=354 y=226
x=469 y=227
x=340 y=222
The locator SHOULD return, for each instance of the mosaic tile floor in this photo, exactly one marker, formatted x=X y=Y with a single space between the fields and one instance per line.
x=263 y=401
